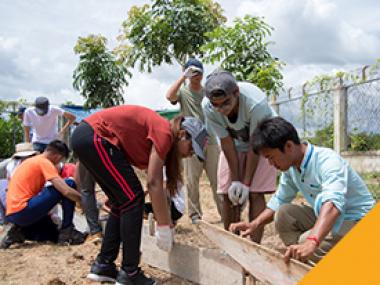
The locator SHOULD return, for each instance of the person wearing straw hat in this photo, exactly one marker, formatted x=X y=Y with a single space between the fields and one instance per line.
x=23 y=151
x=29 y=200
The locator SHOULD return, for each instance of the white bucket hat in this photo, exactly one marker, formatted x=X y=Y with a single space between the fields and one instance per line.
x=24 y=150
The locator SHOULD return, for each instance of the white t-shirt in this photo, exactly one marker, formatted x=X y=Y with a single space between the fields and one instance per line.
x=44 y=128
x=253 y=107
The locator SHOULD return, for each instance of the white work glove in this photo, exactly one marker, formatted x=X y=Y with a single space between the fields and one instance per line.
x=191 y=71
x=164 y=237
x=244 y=193
x=234 y=192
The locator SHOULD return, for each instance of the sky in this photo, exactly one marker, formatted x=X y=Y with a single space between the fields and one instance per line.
x=311 y=36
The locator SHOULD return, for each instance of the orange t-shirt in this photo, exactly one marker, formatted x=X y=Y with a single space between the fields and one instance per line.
x=27 y=181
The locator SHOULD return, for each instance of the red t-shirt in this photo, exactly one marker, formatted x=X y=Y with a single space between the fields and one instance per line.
x=133 y=129
x=68 y=170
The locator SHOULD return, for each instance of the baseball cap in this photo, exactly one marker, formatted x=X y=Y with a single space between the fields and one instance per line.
x=195 y=63
x=21 y=110
x=42 y=105
x=24 y=150
x=198 y=134
x=220 y=83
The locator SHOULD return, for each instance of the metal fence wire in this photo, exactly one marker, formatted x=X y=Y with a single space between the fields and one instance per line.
x=363 y=108
x=311 y=109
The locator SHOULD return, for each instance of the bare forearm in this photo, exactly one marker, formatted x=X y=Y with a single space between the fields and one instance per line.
x=160 y=204
x=250 y=168
x=73 y=195
x=265 y=217
x=66 y=190
x=27 y=134
x=171 y=95
x=326 y=220
x=66 y=126
x=70 y=120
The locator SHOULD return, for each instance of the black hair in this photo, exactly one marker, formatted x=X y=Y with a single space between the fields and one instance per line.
x=273 y=133
x=58 y=146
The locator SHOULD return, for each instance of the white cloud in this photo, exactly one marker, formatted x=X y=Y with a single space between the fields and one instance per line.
x=37 y=40
x=8 y=44
x=314 y=35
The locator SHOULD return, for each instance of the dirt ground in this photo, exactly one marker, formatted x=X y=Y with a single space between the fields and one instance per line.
x=35 y=263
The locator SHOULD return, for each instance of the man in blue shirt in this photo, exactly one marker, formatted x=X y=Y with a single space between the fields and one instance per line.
x=337 y=195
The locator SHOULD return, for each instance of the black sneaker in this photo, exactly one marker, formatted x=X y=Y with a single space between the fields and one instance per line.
x=71 y=236
x=137 y=279
x=14 y=235
x=102 y=272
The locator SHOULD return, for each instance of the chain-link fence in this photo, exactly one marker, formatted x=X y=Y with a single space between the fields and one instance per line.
x=308 y=113
x=311 y=109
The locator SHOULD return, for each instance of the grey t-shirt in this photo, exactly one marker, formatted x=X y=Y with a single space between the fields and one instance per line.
x=253 y=107
x=191 y=105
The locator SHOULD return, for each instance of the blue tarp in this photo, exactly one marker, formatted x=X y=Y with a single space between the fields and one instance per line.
x=81 y=113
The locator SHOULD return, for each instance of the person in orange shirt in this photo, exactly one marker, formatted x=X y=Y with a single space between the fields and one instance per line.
x=28 y=201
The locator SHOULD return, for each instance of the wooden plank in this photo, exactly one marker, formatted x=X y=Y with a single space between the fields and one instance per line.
x=199 y=265
x=264 y=264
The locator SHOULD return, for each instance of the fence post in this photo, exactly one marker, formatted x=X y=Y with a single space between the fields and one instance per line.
x=274 y=104
x=340 y=118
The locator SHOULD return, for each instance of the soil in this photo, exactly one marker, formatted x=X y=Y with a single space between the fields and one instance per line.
x=35 y=263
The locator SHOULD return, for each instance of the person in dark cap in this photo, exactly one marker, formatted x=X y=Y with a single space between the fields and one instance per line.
x=43 y=120
x=20 y=112
x=232 y=111
x=190 y=96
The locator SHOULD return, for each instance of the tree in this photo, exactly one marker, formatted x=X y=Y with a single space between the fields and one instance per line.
x=243 y=50
x=168 y=30
x=11 y=130
x=99 y=77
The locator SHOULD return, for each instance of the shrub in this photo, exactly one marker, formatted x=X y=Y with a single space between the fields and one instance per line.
x=11 y=133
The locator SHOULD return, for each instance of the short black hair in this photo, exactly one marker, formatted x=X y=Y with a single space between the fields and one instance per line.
x=58 y=146
x=273 y=133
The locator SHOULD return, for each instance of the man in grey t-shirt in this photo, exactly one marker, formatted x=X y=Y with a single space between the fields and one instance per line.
x=232 y=111
x=190 y=98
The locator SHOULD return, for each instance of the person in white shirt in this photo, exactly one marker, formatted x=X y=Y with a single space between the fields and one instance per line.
x=43 y=120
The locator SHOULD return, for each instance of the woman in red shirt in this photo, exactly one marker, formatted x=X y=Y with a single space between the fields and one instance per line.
x=109 y=143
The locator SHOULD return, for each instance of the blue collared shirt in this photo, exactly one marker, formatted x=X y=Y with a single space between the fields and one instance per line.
x=325 y=176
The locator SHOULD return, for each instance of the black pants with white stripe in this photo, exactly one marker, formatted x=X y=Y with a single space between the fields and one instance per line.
x=115 y=175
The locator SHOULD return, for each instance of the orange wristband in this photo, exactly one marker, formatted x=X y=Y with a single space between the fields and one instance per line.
x=315 y=239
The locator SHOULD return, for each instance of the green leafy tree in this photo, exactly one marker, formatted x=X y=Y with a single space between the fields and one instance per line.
x=11 y=133
x=324 y=137
x=99 y=77
x=243 y=50
x=166 y=31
